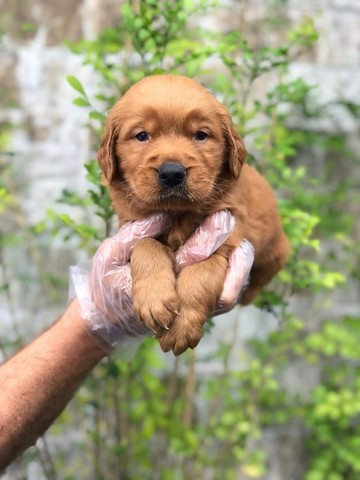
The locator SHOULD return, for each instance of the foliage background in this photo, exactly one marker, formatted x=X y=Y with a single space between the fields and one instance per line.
x=159 y=418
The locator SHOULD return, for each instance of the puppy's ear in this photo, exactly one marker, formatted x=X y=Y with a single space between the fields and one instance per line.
x=106 y=155
x=236 y=151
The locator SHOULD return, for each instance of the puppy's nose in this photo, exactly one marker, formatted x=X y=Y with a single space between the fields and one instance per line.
x=171 y=174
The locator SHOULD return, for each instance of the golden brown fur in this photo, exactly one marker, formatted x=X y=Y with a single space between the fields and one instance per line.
x=173 y=111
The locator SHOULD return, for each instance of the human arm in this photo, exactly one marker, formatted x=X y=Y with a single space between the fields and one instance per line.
x=38 y=382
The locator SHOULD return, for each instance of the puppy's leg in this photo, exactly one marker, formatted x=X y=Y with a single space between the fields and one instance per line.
x=266 y=268
x=199 y=288
x=155 y=299
x=259 y=277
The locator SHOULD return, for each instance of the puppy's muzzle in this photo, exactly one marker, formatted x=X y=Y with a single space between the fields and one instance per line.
x=171 y=174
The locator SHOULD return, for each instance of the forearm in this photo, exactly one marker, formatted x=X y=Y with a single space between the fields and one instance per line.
x=37 y=383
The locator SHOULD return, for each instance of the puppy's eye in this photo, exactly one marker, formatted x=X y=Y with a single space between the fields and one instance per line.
x=142 y=137
x=200 y=136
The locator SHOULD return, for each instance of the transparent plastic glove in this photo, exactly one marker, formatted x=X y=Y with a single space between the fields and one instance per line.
x=211 y=234
x=103 y=286
x=206 y=240
x=236 y=281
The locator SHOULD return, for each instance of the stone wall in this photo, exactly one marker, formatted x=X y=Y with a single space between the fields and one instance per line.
x=50 y=143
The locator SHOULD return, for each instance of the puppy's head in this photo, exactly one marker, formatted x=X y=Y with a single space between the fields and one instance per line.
x=167 y=142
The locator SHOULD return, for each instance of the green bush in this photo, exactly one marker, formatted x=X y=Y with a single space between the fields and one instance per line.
x=148 y=420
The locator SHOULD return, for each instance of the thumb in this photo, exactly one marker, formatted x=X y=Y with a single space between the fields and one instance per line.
x=240 y=263
x=206 y=239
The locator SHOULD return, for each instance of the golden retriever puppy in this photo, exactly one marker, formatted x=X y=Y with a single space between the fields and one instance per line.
x=169 y=146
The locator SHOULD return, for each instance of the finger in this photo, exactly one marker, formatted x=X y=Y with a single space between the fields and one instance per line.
x=118 y=282
x=115 y=251
x=240 y=263
x=111 y=290
x=207 y=238
x=151 y=226
x=118 y=305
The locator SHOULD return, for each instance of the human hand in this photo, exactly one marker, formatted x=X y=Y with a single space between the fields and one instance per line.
x=103 y=285
x=103 y=288
x=211 y=234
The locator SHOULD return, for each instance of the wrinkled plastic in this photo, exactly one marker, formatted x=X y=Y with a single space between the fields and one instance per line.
x=103 y=286
x=211 y=234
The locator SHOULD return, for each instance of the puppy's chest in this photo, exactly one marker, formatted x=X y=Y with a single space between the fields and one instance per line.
x=181 y=229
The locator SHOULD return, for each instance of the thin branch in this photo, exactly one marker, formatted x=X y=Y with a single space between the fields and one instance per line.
x=46 y=459
x=189 y=394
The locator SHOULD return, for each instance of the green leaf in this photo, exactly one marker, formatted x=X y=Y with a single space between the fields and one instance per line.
x=76 y=85
x=81 y=102
x=97 y=116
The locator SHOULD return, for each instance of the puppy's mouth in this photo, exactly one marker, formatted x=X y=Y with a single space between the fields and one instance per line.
x=180 y=192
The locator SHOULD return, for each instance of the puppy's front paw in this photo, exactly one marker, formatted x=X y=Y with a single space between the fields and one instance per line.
x=156 y=303
x=185 y=332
